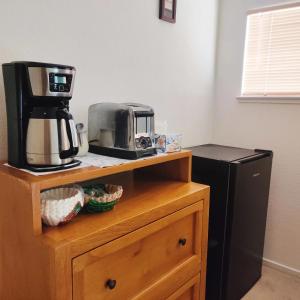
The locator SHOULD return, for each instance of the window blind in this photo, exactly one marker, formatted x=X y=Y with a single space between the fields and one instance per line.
x=272 y=53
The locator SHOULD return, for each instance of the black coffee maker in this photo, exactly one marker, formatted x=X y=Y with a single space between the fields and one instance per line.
x=41 y=131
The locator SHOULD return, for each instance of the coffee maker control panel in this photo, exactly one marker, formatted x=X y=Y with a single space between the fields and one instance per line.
x=51 y=81
x=60 y=82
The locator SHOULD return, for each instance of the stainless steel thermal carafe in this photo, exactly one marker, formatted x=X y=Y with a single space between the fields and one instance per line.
x=51 y=137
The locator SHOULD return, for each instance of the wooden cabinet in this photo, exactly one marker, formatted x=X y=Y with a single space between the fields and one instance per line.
x=151 y=246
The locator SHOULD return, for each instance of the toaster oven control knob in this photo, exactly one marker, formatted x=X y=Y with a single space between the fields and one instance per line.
x=149 y=142
x=143 y=142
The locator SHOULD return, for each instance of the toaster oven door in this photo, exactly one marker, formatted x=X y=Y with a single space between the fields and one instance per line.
x=143 y=129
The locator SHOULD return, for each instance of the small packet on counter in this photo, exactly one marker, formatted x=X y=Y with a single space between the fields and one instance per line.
x=160 y=143
x=167 y=143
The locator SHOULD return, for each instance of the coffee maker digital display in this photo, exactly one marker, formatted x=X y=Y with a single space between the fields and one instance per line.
x=60 y=82
x=60 y=79
x=41 y=131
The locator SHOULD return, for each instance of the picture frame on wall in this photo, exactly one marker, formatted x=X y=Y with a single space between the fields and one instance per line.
x=167 y=10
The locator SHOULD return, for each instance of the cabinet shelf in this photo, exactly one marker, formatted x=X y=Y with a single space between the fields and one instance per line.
x=173 y=166
x=181 y=164
x=144 y=200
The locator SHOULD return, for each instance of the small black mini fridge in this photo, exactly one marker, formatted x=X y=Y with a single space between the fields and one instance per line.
x=239 y=180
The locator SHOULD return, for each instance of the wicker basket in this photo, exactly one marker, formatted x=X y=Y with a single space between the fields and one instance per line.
x=60 y=205
x=101 y=197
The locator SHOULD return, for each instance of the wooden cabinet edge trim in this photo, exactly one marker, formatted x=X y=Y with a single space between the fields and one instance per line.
x=204 y=246
x=195 y=280
x=36 y=209
x=191 y=265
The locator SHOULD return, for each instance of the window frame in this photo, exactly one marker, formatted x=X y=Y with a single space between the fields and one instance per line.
x=268 y=98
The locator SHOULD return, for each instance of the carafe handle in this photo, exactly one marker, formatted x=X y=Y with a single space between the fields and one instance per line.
x=72 y=151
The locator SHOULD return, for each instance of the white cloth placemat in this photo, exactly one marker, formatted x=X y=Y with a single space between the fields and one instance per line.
x=91 y=159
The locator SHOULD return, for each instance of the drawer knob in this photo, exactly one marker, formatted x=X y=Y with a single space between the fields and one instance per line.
x=182 y=242
x=111 y=283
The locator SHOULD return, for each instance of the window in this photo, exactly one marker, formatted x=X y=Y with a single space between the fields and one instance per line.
x=272 y=53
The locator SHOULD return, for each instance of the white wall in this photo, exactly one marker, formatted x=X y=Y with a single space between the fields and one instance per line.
x=269 y=126
x=122 y=52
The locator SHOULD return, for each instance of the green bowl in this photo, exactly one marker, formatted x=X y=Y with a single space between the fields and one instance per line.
x=101 y=197
x=94 y=206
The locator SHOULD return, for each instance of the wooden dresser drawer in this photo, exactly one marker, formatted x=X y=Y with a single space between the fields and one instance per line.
x=149 y=263
x=189 y=291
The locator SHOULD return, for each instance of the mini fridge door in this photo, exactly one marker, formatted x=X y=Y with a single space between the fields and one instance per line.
x=247 y=211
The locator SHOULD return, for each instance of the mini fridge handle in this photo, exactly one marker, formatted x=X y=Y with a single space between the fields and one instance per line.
x=260 y=154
